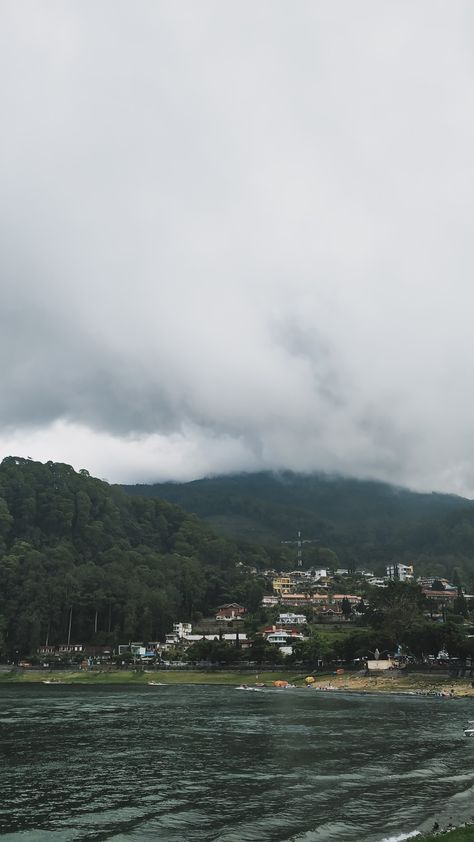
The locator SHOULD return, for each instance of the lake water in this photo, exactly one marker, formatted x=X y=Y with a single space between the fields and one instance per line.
x=213 y=763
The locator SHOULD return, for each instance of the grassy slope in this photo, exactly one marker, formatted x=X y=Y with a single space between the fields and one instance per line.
x=129 y=677
x=348 y=682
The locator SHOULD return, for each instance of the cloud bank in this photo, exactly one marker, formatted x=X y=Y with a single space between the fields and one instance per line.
x=237 y=236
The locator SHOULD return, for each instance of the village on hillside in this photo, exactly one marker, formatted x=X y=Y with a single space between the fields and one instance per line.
x=296 y=606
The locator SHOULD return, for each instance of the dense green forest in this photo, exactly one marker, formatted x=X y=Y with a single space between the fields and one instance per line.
x=365 y=523
x=80 y=559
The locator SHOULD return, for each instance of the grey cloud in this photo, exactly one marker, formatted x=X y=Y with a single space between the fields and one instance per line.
x=238 y=235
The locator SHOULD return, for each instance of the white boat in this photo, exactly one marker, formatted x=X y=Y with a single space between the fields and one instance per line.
x=254 y=689
x=156 y=684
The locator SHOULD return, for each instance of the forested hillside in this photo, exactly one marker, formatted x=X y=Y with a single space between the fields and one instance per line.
x=365 y=523
x=81 y=558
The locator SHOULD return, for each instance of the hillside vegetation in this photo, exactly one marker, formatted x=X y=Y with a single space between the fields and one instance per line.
x=81 y=559
x=365 y=523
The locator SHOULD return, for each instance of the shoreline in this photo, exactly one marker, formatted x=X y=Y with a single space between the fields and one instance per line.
x=413 y=685
x=464 y=833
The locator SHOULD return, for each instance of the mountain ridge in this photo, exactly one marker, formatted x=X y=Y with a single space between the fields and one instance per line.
x=365 y=522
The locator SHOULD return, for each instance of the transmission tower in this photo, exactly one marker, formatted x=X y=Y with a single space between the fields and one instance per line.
x=299 y=547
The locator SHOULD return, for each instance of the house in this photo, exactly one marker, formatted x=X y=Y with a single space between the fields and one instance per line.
x=331 y=614
x=230 y=611
x=283 y=638
x=269 y=601
x=291 y=619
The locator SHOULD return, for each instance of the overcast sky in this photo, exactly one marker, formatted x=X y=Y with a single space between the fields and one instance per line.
x=238 y=235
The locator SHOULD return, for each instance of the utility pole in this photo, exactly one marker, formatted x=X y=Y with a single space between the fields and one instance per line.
x=70 y=624
x=299 y=547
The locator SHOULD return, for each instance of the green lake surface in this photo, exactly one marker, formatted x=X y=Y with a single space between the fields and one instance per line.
x=177 y=762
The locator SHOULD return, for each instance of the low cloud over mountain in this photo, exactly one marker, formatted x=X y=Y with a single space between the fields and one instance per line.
x=237 y=236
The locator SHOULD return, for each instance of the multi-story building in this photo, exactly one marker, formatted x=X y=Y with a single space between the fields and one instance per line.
x=401 y=572
x=281 y=585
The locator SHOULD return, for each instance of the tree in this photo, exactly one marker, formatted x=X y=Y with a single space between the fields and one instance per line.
x=80 y=557
x=460 y=604
x=313 y=650
x=346 y=607
x=395 y=608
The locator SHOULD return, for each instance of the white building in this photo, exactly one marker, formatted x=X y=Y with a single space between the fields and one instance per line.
x=180 y=632
x=377 y=582
x=283 y=638
x=182 y=629
x=402 y=572
x=235 y=638
x=270 y=600
x=292 y=619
